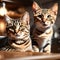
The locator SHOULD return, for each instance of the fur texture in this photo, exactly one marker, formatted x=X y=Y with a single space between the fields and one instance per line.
x=44 y=20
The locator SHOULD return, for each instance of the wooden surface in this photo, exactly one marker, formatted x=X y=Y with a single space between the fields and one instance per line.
x=27 y=56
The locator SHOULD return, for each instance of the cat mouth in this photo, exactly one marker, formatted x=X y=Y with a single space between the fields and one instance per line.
x=19 y=42
x=45 y=25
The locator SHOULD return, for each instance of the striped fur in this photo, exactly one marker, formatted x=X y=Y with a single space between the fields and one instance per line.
x=44 y=20
x=18 y=30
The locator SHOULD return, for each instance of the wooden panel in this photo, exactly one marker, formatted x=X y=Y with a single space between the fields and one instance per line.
x=27 y=56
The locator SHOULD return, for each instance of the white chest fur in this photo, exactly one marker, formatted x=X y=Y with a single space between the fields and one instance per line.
x=47 y=35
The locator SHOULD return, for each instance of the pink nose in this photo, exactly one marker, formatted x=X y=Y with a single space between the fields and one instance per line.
x=16 y=30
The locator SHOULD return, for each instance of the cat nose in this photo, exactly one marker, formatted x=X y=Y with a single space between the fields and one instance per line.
x=47 y=23
x=44 y=22
x=16 y=30
x=44 y=19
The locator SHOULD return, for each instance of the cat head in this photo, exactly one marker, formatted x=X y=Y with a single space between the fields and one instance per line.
x=16 y=28
x=45 y=17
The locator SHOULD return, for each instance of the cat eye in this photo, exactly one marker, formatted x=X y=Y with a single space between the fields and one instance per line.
x=49 y=16
x=19 y=23
x=40 y=16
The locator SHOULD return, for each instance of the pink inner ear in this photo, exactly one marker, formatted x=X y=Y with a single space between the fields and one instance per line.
x=33 y=6
x=55 y=8
x=26 y=18
x=27 y=22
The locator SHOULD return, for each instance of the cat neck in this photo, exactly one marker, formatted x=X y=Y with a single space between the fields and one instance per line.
x=38 y=31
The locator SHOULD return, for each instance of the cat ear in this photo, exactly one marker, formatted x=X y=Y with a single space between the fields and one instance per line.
x=8 y=19
x=35 y=6
x=26 y=18
x=55 y=8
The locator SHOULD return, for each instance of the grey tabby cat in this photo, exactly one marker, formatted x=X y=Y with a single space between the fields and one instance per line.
x=18 y=31
x=44 y=20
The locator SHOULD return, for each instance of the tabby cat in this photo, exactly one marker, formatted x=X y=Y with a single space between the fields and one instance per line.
x=18 y=31
x=44 y=20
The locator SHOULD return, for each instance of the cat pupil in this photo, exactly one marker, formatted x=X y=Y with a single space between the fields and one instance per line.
x=49 y=16
x=40 y=16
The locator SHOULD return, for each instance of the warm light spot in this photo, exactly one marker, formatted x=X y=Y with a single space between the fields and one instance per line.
x=3 y=10
x=2 y=26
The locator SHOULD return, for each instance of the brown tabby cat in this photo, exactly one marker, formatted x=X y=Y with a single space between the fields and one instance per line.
x=18 y=30
x=44 y=20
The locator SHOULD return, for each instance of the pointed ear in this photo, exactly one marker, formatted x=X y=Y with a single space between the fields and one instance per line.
x=26 y=18
x=8 y=19
x=35 y=6
x=55 y=8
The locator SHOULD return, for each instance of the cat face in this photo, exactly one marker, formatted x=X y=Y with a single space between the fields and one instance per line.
x=44 y=18
x=18 y=28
